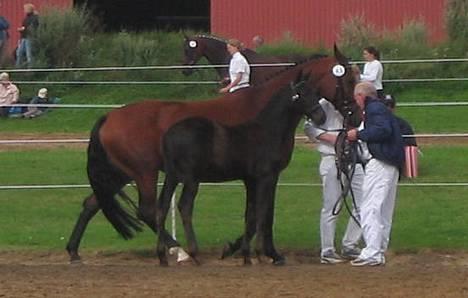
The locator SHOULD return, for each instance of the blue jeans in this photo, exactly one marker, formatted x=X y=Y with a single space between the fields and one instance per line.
x=24 y=49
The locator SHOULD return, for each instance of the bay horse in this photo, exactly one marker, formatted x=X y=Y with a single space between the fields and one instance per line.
x=214 y=50
x=125 y=144
x=201 y=150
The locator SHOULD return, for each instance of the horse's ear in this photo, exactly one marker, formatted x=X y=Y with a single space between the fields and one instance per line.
x=339 y=56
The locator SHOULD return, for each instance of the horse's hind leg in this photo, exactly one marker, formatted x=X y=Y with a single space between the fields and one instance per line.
x=90 y=208
x=185 y=206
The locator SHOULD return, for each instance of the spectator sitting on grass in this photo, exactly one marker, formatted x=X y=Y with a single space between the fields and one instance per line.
x=9 y=94
x=41 y=98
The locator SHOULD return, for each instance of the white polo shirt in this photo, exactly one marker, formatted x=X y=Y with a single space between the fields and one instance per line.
x=238 y=65
x=333 y=122
x=373 y=72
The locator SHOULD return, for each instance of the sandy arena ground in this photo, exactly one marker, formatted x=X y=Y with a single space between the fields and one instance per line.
x=426 y=274
x=28 y=274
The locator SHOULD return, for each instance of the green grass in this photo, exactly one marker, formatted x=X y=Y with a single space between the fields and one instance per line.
x=426 y=217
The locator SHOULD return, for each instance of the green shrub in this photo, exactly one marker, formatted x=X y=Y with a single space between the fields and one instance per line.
x=60 y=38
x=413 y=33
x=289 y=46
x=355 y=34
x=456 y=20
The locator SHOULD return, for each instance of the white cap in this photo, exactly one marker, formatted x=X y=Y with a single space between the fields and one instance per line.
x=42 y=93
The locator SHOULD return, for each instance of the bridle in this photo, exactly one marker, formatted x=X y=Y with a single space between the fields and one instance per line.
x=346 y=153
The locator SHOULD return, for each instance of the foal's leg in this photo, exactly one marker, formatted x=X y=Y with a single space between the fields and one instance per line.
x=90 y=208
x=185 y=205
x=266 y=190
x=162 y=209
x=268 y=236
x=249 y=219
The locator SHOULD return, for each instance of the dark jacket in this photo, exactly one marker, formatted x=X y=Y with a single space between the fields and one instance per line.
x=406 y=129
x=4 y=25
x=30 y=23
x=382 y=133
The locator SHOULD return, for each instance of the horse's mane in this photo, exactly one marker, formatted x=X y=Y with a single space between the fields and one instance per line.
x=211 y=37
x=306 y=60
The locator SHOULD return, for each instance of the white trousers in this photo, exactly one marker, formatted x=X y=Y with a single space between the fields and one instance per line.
x=378 y=203
x=331 y=190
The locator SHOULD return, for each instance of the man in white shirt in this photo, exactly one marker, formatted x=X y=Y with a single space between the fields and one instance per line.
x=326 y=136
x=239 y=69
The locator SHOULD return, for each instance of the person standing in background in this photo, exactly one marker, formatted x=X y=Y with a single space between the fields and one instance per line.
x=373 y=70
x=30 y=23
x=257 y=41
x=4 y=26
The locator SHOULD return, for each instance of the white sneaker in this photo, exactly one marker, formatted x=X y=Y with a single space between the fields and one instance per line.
x=366 y=262
x=331 y=258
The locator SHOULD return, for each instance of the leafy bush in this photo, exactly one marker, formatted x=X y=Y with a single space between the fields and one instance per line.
x=456 y=20
x=356 y=33
x=60 y=38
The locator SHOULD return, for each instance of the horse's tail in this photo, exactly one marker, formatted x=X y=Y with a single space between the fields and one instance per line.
x=106 y=181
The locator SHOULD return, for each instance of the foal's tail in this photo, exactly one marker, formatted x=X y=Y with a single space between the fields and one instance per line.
x=106 y=181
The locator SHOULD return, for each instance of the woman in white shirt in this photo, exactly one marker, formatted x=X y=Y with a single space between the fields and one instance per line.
x=373 y=69
x=239 y=69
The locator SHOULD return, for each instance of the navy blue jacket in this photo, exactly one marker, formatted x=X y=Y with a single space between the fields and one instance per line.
x=382 y=133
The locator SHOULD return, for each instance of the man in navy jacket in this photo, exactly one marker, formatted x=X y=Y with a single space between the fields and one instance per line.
x=382 y=152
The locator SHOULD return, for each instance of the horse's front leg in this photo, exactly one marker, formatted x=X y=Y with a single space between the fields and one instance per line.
x=266 y=191
x=249 y=232
x=249 y=219
x=185 y=206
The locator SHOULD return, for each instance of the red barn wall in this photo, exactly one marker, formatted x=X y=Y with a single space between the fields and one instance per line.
x=13 y=11
x=312 y=21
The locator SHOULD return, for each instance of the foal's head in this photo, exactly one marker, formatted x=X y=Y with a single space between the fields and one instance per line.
x=306 y=101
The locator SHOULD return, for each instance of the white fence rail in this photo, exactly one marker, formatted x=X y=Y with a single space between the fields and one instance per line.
x=80 y=186
x=201 y=66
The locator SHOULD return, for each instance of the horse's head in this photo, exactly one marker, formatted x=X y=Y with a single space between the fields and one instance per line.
x=211 y=47
x=194 y=48
x=306 y=100
x=334 y=80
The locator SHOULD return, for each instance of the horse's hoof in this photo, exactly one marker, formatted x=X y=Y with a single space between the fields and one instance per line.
x=227 y=251
x=195 y=261
x=75 y=259
x=247 y=262
x=75 y=262
x=281 y=261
